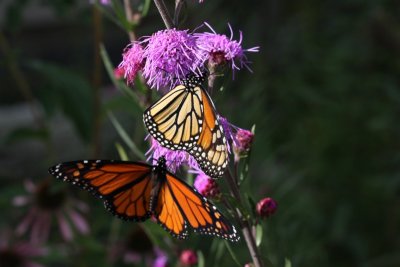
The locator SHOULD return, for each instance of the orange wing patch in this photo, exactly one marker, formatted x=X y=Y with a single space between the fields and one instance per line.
x=201 y=215
x=169 y=215
x=211 y=151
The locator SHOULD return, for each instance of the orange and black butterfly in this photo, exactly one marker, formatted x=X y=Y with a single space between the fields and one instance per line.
x=186 y=119
x=136 y=191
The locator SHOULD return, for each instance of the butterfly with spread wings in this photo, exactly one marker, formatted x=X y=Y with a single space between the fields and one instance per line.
x=186 y=119
x=136 y=191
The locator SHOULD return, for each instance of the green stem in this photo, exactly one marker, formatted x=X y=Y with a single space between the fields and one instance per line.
x=129 y=18
x=244 y=223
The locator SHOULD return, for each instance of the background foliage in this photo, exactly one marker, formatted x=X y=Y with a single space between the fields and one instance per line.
x=324 y=96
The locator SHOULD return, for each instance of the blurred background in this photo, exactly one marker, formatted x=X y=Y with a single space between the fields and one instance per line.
x=324 y=96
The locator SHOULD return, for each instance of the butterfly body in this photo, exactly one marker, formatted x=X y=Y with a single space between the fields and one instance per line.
x=137 y=191
x=186 y=119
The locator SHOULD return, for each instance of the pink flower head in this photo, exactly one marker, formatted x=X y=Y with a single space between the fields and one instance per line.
x=188 y=257
x=47 y=204
x=266 y=207
x=132 y=61
x=170 y=56
x=173 y=158
x=206 y=186
x=119 y=73
x=218 y=49
x=241 y=139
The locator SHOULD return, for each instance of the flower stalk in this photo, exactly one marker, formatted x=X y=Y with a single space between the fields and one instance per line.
x=166 y=17
x=244 y=222
x=129 y=18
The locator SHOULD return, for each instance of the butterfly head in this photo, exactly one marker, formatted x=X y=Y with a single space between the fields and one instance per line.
x=161 y=164
x=193 y=79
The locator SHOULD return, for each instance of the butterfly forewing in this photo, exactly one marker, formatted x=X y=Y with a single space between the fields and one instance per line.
x=125 y=187
x=186 y=119
x=172 y=121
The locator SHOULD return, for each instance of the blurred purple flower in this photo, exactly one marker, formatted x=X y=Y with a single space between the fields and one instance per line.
x=240 y=139
x=19 y=254
x=266 y=207
x=173 y=158
x=46 y=204
x=188 y=257
x=102 y=2
x=161 y=258
x=218 y=49
x=170 y=55
x=132 y=61
x=206 y=186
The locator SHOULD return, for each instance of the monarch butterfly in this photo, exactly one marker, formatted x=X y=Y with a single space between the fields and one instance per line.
x=186 y=119
x=136 y=191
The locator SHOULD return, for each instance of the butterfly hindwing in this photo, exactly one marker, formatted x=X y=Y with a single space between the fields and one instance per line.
x=190 y=208
x=211 y=150
x=124 y=187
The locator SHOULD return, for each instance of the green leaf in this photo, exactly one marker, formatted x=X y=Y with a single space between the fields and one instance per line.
x=259 y=234
x=201 y=260
x=235 y=259
x=252 y=204
x=120 y=85
x=145 y=7
x=121 y=152
x=125 y=137
x=288 y=263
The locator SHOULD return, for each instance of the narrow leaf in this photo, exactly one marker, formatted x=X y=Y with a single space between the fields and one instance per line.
x=125 y=137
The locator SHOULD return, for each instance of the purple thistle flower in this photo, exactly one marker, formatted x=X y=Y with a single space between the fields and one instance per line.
x=206 y=186
x=173 y=158
x=218 y=49
x=19 y=254
x=46 y=204
x=132 y=61
x=170 y=56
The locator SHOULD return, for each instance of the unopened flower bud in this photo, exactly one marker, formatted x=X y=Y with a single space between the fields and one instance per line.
x=266 y=207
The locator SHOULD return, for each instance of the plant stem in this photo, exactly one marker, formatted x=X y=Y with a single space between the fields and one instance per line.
x=178 y=8
x=169 y=24
x=244 y=223
x=129 y=18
